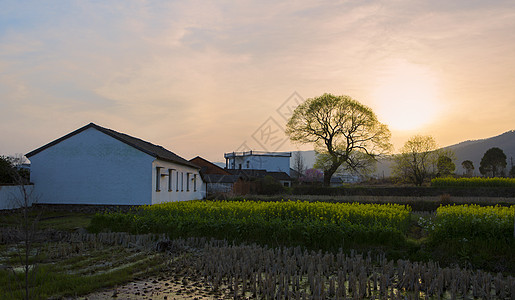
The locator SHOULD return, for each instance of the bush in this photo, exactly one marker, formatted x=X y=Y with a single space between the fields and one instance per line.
x=474 y=236
x=473 y=222
x=270 y=186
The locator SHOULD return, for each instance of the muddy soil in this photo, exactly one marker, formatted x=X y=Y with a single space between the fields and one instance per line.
x=160 y=288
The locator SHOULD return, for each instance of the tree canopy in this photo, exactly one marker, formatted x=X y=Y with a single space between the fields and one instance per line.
x=416 y=160
x=445 y=165
x=493 y=163
x=6 y=169
x=10 y=172
x=468 y=165
x=342 y=130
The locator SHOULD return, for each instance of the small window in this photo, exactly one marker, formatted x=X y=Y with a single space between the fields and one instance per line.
x=170 y=172
x=248 y=164
x=182 y=181
x=187 y=182
x=177 y=181
x=239 y=166
x=158 y=179
x=194 y=182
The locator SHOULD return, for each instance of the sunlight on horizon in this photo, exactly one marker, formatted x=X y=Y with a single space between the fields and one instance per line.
x=406 y=97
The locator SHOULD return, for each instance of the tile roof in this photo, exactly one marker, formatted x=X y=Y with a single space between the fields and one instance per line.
x=144 y=146
x=280 y=175
x=218 y=178
x=248 y=173
x=256 y=173
x=208 y=167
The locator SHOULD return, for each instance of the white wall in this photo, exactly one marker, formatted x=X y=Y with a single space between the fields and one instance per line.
x=179 y=190
x=92 y=168
x=262 y=162
x=12 y=196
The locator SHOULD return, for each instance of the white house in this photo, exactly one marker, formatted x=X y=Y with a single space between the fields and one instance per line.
x=258 y=160
x=96 y=165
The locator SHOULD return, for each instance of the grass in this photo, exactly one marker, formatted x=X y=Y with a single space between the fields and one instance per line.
x=66 y=268
x=46 y=219
x=83 y=272
x=59 y=281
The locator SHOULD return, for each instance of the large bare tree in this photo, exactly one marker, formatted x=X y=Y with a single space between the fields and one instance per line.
x=298 y=164
x=343 y=130
x=417 y=159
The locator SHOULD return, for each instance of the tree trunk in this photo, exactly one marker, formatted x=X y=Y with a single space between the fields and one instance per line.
x=328 y=174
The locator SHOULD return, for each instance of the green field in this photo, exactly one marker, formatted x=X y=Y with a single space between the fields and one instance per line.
x=287 y=223
x=473 y=182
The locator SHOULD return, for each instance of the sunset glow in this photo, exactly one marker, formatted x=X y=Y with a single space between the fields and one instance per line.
x=406 y=97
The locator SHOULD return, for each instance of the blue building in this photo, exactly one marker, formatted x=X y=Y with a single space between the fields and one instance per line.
x=258 y=160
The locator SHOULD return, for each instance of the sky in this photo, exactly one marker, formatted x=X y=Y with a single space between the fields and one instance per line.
x=205 y=78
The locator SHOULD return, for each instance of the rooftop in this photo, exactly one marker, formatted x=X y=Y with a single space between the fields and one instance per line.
x=256 y=153
x=144 y=146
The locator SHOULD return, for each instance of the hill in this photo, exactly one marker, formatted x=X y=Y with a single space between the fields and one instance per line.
x=474 y=150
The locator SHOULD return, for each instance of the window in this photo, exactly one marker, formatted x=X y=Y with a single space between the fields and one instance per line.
x=194 y=182
x=158 y=179
x=170 y=172
x=182 y=181
x=177 y=183
x=187 y=182
x=248 y=164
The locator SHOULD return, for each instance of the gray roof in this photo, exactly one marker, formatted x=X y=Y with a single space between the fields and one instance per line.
x=144 y=146
x=256 y=173
x=218 y=178
x=280 y=175
x=248 y=173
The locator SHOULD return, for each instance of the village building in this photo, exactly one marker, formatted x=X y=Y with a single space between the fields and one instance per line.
x=252 y=175
x=258 y=160
x=99 y=166
x=217 y=179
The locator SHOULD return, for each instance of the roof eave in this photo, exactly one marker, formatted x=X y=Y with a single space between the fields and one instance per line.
x=177 y=162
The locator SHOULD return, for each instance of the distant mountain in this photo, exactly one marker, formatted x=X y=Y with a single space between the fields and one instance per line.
x=220 y=164
x=472 y=150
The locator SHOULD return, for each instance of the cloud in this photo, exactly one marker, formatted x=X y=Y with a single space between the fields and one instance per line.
x=212 y=73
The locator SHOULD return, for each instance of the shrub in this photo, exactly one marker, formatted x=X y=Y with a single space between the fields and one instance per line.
x=473 y=222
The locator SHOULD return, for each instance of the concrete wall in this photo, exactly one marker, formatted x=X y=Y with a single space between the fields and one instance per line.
x=185 y=183
x=92 y=168
x=12 y=196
